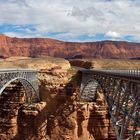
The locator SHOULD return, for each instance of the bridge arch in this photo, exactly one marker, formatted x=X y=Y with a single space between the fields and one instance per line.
x=27 y=77
x=18 y=89
x=89 y=90
x=28 y=87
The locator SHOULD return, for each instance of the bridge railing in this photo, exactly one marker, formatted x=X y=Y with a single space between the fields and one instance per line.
x=121 y=72
x=15 y=70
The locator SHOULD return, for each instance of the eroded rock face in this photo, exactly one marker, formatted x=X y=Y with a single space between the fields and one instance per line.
x=20 y=121
x=60 y=115
x=32 y=122
x=68 y=117
x=50 y=47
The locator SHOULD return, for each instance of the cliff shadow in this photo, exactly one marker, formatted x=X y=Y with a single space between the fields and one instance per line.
x=62 y=107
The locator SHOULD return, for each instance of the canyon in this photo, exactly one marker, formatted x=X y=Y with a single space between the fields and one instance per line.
x=60 y=114
x=35 y=47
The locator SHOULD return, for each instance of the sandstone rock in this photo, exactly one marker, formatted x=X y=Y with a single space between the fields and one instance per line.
x=60 y=115
x=3 y=137
x=42 y=64
x=50 y=47
x=40 y=106
x=30 y=112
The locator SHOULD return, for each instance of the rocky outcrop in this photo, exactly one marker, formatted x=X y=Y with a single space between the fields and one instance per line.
x=41 y=63
x=50 y=47
x=61 y=114
x=69 y=118
x=106 y=63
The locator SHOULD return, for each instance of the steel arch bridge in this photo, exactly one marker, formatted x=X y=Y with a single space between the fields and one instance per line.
x=27 y=77
x=121 y=89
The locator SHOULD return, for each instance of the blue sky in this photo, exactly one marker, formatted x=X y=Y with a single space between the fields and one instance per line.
x=78 y=20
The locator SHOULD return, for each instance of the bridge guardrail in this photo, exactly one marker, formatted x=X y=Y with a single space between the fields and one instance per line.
x=127 y=73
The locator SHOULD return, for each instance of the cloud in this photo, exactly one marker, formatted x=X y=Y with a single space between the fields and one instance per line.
x=11 y=34
x=113 y=18
x=84 y=14
x=18 y=2
x=112 y=34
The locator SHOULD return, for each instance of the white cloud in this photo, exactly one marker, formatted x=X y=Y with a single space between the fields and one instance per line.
x=115 y=18
x=112 y=34
x=21 y=35
x=11 y=34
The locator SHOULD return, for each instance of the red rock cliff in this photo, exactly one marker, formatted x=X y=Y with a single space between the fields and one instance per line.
x=51 y=47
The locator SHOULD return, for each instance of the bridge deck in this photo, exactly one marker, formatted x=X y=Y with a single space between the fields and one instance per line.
x=129 y=74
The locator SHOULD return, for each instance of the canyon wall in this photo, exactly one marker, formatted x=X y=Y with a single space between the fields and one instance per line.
x=60 y=114
x=70 y=118
x=50 y=47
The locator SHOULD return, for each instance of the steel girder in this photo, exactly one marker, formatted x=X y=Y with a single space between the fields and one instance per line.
x=28 y=79
x=122 y=95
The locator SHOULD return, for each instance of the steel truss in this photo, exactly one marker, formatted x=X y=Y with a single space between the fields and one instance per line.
x=28 y=79
x=122 y=94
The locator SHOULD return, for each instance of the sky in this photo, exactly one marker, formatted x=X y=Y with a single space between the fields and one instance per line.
x=71 y=20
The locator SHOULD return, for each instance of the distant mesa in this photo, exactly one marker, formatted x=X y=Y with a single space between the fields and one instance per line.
x=36 y=47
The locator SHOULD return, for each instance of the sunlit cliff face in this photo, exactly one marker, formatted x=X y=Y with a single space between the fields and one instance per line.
x=50 y=47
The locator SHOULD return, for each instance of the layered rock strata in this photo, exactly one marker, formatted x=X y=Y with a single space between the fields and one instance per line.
x=34 y=47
